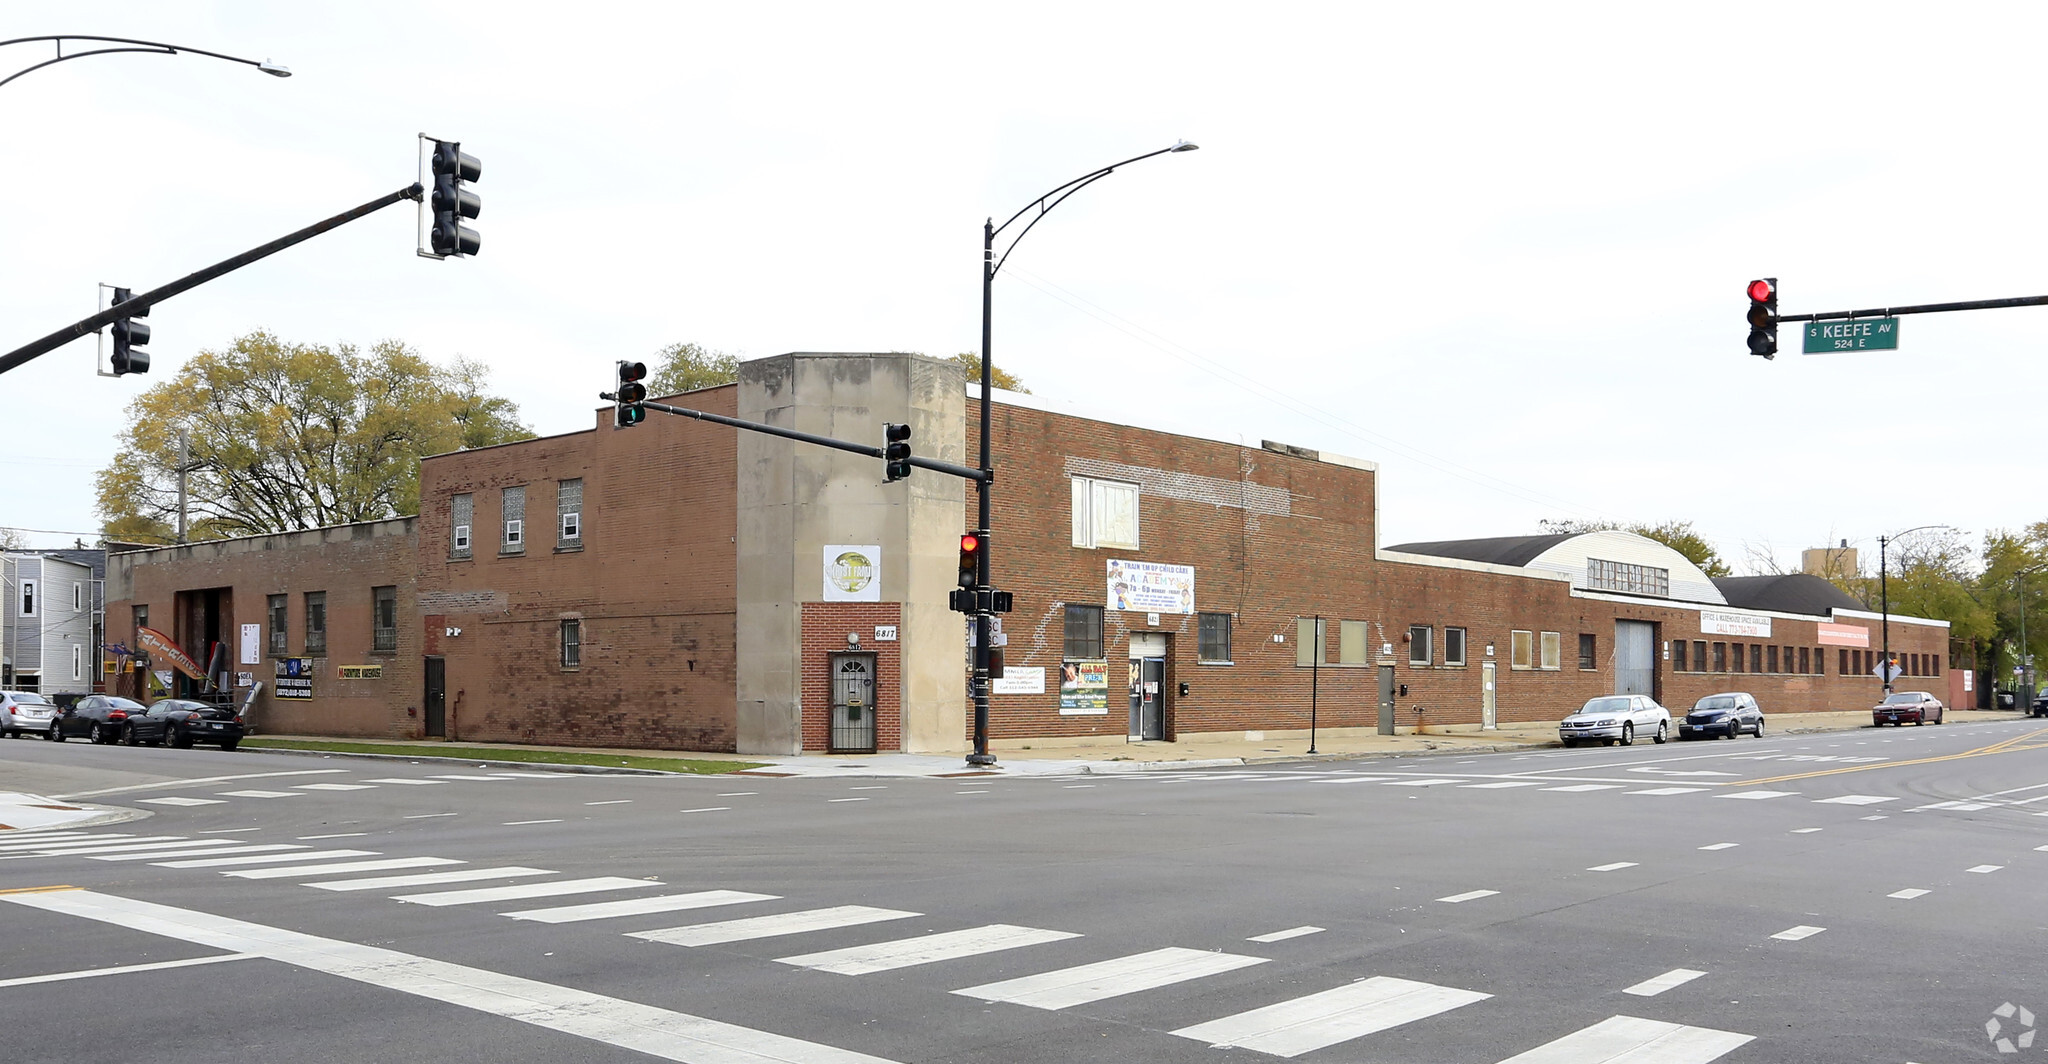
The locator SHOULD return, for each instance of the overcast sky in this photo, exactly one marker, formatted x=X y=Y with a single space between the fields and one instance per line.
x=1499 y=249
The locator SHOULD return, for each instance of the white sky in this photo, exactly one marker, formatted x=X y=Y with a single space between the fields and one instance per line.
x=1498 y=248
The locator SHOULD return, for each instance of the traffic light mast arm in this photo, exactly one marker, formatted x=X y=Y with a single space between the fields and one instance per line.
x=933 y=464
x=1924 y=308
x=154 y=296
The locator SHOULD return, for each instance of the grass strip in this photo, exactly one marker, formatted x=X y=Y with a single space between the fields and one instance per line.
x=469 y=752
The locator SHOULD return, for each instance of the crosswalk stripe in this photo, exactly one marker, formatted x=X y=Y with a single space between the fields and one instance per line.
x=412 y=783
x=1503 y=785
x=1629 y=1040
x=925 y=949
x=136 y=847
x=1291 y=1028
x=1670 y=790
x=88 y=840
x=461 y=777
x=1470 y=895
x=1356 y=779
x=660 y=903
x=176 y=800
x=1282 y=936
x=1659 y=984
x=338 y=868
x=299 y=853
x=1853 y=799
x=1614 y=867
x=1588 y=787
x=771 y=926
x=528 y=890
x=334 y=787
x=13 y=838
x=1758 y=795
x=260 y=794
x=1420 y=783
x=428 y=879
x=208 y=852
x=1112 y=978
x=1795 y=933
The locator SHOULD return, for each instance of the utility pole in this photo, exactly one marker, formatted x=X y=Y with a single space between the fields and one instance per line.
x=184 y=463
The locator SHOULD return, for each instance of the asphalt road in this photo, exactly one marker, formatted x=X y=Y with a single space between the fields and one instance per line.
x=1744 y=901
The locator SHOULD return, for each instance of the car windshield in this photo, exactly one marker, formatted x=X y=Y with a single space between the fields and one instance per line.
x=29 y=698
x=1716 y=702
x=1606 y=705
x=122 y=703
x=1903 y=698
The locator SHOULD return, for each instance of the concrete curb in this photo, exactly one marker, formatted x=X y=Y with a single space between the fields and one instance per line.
x=1120 y=768
x=548 y=766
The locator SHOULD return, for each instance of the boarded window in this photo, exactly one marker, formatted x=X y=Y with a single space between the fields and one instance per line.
x=569 y=513
x=1310 y=636
x=1521 y=650
x=1352 y=648
x=461 y=514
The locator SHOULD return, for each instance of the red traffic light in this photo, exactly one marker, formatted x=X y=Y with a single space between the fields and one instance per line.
x=633 y=371
x=969 y=543
x=1760 y=291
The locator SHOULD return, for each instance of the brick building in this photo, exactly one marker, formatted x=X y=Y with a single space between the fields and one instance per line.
x=681 y=585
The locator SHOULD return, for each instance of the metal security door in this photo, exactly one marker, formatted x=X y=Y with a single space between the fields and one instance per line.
x=853 y=704
x=1386 y=700
x=437 y=697
x=1488 y=717
x=1635 y=658
x=1148 y=677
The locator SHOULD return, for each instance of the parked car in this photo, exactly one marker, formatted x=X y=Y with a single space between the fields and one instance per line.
x=1616 y=718
x=2040 y=708
x=1902 y=706
x=187 y=721
x=107 y=719
x=25 y=713
x=1724 y=715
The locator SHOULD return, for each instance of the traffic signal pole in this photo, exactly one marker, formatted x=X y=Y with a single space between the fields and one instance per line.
x=1923 y=308
x=932 y=464
x=139 y=304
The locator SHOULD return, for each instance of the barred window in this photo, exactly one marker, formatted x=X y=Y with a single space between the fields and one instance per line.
x=1213 y=638
x=569 y=513
x=461 y=513
x=316 y=623
x=1084 y=633
x=572 y=644
x=1627 y=577
x=1589 y=653
x=277 y=630
x=384 y=618
x=515 y=520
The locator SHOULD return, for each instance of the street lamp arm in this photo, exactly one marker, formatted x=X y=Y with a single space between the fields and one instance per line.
x=1058 y=195
x=153 y=47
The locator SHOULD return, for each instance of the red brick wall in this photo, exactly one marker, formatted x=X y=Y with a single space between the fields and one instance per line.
x=653 y=586
x=345 y=562
x=825 y=625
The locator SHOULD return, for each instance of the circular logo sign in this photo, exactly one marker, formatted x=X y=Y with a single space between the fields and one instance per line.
x=851 y=572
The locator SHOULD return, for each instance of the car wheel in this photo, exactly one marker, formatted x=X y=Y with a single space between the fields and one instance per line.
x=55 y=734
x=1759 y=727
x=1628 y=733
x=230 y=745
x=1568 y=743
x=1663 y=731
x=129 y=737
x=178 y=739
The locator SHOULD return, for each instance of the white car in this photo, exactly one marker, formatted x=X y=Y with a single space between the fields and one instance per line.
x=25 y=713
x=1616 y=718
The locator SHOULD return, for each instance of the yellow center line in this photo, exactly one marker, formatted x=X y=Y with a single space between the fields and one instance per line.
x=39 y=890
x=1994 y=748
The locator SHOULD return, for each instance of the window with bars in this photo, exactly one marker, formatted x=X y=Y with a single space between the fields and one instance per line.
x=384 y=618
x=278 y=642
x=1589 y=656
x=1212 y=644
x=569 y=514
x=316 y=624
x=572 y=644
x=513 y=503
x=1084 y=633
x=461 y=514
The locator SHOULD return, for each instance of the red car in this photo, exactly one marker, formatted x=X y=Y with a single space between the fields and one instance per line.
x=1902 y=706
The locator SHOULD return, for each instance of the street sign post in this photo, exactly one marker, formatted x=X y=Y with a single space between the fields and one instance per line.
x=1865 y=334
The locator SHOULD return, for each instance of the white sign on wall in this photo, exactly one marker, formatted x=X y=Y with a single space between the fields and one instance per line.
x=1715 y=623
x=252 y=644
x=853 y=572
x=1020 y=681
x=1151 y=587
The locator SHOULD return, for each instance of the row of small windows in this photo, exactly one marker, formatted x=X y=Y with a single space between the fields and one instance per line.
x=1628 y=578
x=28 y=597
x=383 y=622
x=1083 y=635
x=512 y=509
x=1702 y=656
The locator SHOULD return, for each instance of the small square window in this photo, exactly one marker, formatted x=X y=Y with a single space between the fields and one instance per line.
x=1084 y=633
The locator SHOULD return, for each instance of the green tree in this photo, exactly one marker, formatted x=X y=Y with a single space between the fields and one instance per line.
x=686 y=367
x=998 y=376
x=1678 y=535
x=287 y=436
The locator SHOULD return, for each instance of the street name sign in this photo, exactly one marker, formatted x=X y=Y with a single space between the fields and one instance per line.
x=1865 y=334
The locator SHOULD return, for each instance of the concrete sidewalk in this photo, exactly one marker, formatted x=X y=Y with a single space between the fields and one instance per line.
x=1055 y=757
x=21 y=812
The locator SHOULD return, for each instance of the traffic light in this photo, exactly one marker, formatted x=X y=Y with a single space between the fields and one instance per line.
x=1763 y=317
x=452 y=202
x=129 y=335
x=970 y=559
x=628 y=394
x=895 y=452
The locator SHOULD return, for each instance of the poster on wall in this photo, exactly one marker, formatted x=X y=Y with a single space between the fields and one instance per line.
x=1019 y=680
x=1084 y=688
x=1714 y=622
x=853 y=572
x=294 y=678
x=1151 y=587
x=252 y=644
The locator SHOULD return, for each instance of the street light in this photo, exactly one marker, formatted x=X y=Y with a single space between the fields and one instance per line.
x=275 y=70
x=990 y=263
x=1884 y=663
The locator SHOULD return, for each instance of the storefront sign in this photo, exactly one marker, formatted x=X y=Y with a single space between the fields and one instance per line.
x=1017 y=680
x=1084 y=688
x=360 y=672
x=160 y=648
x=1715 y=623
x=853 y=572
x=294 y=678
x=1151 y=587
x=1843 y=635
